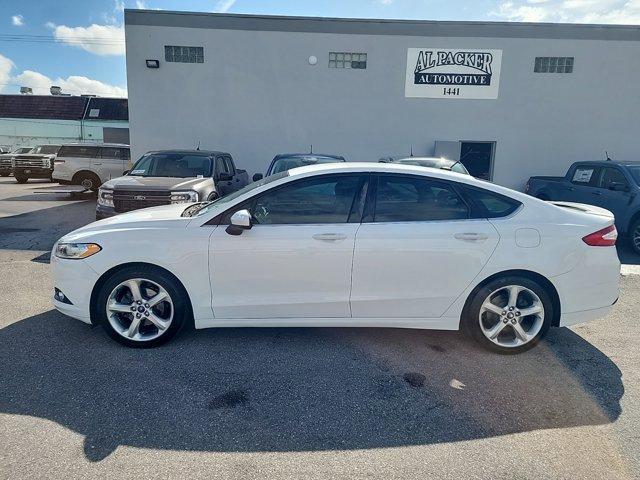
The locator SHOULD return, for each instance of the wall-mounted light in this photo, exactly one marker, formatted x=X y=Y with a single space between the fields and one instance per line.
x=313 y=60
x=153 y=63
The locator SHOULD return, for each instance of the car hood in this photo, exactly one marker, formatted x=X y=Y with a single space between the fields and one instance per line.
x=165 y=216
x=132 y=182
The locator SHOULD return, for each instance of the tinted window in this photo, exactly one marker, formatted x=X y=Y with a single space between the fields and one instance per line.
x=490 y=204
x=401 y=198
x=326 y=199
x=47 y=149
x=585 y=175
x=611 y=175
x=80 y=151
x=459 y=168
x=635 y=172
x=110 y=152
x=221 y=166
x=178 y=165
x=228 y=164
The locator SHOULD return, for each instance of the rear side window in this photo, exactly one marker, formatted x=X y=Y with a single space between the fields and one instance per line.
x=585 y=176
x=403 y=198
x=611 y=175
x=110 y=152
x=490 y=204
x=79 y=151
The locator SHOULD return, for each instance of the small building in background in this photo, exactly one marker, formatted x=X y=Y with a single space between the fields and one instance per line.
x=27 y=120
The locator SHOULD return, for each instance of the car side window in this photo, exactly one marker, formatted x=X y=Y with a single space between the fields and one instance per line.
x=611 y=175
x=78 y=151
x=228 y=165
x=585 y=176
x=109 y=152
x=318 y=200
x=489 y=204
x=403 y=198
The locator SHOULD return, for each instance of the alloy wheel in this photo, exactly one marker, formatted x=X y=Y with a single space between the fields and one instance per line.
x=139 y=309
x=636 y=238
x=511 y=316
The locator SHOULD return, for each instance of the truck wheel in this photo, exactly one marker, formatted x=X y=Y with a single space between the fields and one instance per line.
x=4 y=174
x=21 y=179
x=634 y=236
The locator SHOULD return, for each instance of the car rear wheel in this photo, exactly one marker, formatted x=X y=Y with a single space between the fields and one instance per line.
x=88 y=180
x=509 y=314
x=142 y=307
x=21 y=179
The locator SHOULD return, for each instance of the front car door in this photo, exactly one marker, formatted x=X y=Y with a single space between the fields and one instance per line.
x=614 y=193
x=417 y=249
x=295 y=262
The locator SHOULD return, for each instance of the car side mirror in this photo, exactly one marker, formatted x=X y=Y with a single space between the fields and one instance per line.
x=126 y=172
x=619 y=187
x=240 y=221
x=257 y=176
x=225 y=177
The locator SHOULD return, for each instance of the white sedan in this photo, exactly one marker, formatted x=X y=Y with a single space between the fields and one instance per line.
x=352 y=244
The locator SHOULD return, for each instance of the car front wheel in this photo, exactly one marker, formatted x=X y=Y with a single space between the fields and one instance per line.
x=509 y=314
x=634 y=236
x=142 y=307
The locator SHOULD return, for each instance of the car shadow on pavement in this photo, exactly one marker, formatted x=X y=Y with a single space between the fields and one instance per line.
x=274 y=390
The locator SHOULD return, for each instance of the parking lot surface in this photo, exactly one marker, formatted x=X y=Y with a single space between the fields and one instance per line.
x=298 y=403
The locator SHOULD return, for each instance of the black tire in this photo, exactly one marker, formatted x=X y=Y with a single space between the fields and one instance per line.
x=470 y=322
x=181 y=307
x=4 y=174
x=21 y=179
x=634 y=236
x=88 y=180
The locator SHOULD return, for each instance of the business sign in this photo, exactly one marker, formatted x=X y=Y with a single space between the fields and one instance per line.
x=453 y=73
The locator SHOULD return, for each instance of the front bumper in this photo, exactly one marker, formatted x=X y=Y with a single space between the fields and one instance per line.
x=105 y=212
x=75 y=279
x=32 y=172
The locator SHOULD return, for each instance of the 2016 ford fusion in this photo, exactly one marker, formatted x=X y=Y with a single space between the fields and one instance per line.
x=375 y=245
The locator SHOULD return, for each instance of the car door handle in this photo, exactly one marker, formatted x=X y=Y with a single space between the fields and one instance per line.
x=329 y=237
x=97 y=163
x=596 y=193
x=471 y=237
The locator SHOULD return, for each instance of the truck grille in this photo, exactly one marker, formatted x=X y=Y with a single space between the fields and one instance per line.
x=5 y=163
x=125 y=201
x=31 y=162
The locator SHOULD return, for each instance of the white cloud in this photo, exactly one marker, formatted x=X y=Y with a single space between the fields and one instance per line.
x=6 y=65
x=118 y=6
x=571 y=11
x=97 y=39
x=17 y=20
x=141 y=5
x=223 y=6
x=74 y=84
x=386 y=2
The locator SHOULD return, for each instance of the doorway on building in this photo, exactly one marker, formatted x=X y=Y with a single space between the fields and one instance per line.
x=477 y=157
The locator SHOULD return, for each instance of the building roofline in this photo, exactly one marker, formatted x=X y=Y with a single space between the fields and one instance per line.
x=366 y=26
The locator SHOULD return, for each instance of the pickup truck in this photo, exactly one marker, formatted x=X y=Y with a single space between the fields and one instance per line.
x=609 y=184
x=38 y=163
x=287 y=161
x=169 y=177
x=7 y=157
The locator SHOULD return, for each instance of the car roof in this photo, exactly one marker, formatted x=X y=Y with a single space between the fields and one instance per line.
x=204 y=153
x=95 y=144
x=303 y=155
x=441 y=160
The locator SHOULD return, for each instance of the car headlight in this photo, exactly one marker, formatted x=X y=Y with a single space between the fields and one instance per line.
x=105 y=197
x=76 y=250
x=184 y=197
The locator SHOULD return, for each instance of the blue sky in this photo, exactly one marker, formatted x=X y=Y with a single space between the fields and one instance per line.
x=79 y=44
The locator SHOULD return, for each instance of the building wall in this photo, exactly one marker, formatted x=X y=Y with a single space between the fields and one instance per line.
x=31 y=132
x=256 y=95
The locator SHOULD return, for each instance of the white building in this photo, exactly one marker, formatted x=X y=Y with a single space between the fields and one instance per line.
x=511 y=100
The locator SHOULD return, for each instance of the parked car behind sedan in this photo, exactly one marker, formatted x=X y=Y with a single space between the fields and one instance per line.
x=431 y=162
x=90 y=164
x=168 y=177
x=353 y=244
x=5 y=159
x=37 y=163
x=287 y=161
x=612 y=185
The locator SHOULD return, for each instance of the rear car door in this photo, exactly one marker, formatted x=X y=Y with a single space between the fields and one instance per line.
x=417 y=249
x=109 y=163
x=295 y=262
x=613 y=192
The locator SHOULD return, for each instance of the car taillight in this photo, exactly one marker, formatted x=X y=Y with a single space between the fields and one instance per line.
x=602 y=238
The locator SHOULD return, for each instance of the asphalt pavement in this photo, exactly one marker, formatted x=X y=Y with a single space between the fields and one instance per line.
x=298 y=403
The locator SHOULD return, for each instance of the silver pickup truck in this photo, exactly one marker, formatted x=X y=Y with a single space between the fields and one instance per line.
x=171 y=176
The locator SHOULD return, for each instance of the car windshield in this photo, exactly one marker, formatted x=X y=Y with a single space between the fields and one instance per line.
x=179 y=165
x=21 y=150
x=238 y=193
x=635 y=172
x=287 y=163
x=46 y=149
